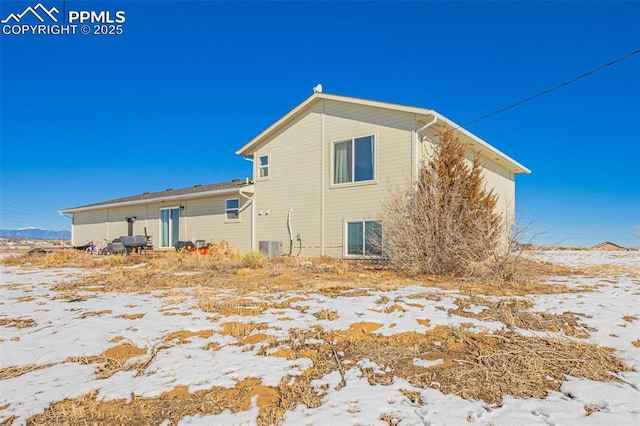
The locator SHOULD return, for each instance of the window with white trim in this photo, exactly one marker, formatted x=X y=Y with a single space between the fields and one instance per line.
x=363 y=238
x=263 y=166
x=354 y=160
x=232 y=209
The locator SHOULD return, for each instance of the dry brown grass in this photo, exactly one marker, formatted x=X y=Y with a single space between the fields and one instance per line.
x=112 y=360
x=483 y=366
x=611 y=270
x=172 y=405
x=479 y=366
x=18 y=370
x=515 y=313
x=326 y=315
x=169 y=270
x=475 y=366
x=17 y=322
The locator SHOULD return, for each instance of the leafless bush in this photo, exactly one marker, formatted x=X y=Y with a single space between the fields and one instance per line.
x=507 y=263
x=446 y=223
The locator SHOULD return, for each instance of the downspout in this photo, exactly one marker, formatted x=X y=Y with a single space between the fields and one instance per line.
x=253 y=218
x=323 y=184
x=417 y=145
x=253 y=204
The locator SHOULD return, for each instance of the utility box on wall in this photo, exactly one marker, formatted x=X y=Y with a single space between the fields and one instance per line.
x=270 y=248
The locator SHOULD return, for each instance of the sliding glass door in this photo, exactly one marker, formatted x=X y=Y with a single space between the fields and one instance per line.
x=169 y=226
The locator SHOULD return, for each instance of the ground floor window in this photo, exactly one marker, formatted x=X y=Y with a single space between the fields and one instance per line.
x=232 y=209
x=169 y=226
x=363 y=238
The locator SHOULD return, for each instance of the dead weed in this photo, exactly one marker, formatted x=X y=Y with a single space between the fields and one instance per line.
x=17 y=322
x=480 y=366
x=515 y=313
x=332 y=277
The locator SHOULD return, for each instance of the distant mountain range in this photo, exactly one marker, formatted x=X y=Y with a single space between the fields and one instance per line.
x=35 y=233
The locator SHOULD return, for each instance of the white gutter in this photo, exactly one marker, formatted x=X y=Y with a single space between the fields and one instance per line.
x=153 y=200
x=253 y=218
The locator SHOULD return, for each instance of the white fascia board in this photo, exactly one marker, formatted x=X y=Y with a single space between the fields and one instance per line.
x=517 y=167
x=377 y=104
x=513 y=164
x=155 y=200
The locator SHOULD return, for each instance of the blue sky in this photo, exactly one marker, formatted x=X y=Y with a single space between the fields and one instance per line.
x=167 y=103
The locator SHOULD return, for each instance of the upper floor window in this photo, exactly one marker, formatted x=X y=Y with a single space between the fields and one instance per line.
x=354 y=160
x=263 y=166
x=232 y=209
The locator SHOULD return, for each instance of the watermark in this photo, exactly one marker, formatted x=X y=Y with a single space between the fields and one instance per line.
x=41 y=20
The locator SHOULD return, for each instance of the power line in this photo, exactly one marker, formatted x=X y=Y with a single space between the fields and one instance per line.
x=566 y=83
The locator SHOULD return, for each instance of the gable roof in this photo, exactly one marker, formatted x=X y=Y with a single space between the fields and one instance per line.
x=195 y=191
x=483 y=146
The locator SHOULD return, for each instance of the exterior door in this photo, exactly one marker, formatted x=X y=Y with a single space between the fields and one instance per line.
x=169 y=227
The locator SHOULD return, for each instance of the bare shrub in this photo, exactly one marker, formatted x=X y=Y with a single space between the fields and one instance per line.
x=446 y=222
x=507 y=263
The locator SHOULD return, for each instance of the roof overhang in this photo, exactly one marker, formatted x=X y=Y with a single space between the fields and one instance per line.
x=473 y=141
x=481 y=146
x=203 y=194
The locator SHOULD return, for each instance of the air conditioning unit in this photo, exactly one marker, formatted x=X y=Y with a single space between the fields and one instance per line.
x=270 y=248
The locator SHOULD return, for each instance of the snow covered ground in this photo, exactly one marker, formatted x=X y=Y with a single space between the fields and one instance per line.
x=49 y=336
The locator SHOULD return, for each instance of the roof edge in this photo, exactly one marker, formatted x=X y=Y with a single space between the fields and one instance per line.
x=517 y=168
x=320 y=95
x=153 y=200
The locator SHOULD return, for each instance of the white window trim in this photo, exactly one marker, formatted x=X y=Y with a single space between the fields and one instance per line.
x=345 y=246
x=227 y=210
x=332 y=155
x=258 y=167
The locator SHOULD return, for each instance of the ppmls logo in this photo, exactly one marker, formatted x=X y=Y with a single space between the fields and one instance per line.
x=85 y=22
x=33 y=11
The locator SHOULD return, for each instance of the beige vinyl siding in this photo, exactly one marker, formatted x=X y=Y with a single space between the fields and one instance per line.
x=294 y=184
x=89 y=226
x=393 y=165
x=118 y=225
x=204 y=219
x=301 y=174
x=502 y=182
x=108 y=223
x=201 y=219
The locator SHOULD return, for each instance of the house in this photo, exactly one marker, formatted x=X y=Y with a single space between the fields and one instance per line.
x=607 y=246
x=319 y=175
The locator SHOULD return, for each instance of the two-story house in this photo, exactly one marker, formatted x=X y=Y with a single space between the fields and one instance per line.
x=319 y=175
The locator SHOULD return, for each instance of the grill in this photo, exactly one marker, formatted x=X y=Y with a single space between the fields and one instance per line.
x=137 y=242
x=116 y=247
